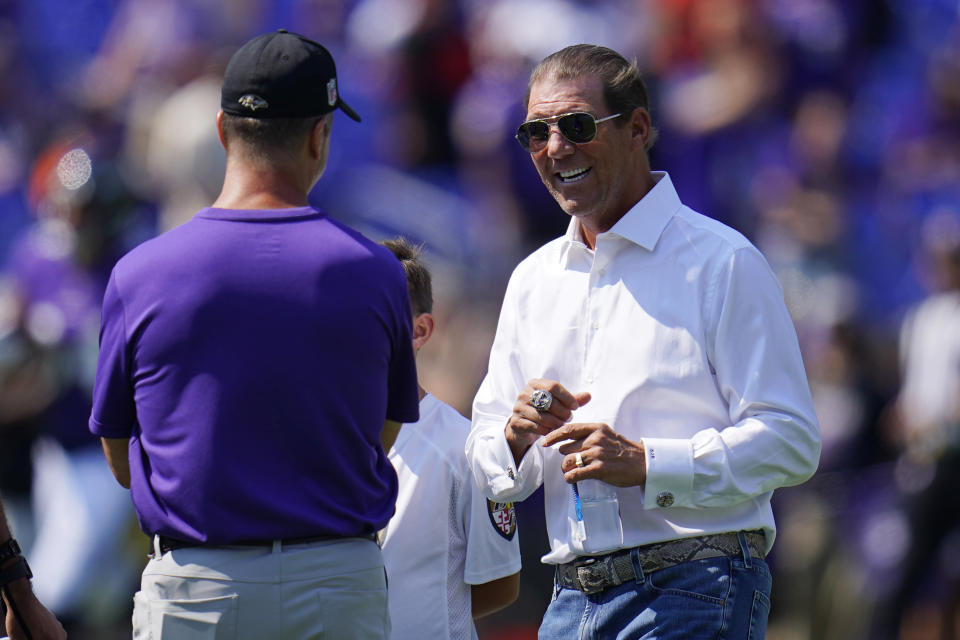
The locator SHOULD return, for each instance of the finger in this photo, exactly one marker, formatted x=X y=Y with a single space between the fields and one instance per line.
x=571 y=447
x=555 y=406
x=561 y=396
x=568 y=462
x=577 y=474
x=574 y=473
x=546 y=420
x=522 y=427
x=572 y=431
x=590 y=433
x=533 y=426
x=559 y=412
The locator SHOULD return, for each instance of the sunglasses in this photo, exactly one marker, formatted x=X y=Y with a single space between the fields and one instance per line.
x=578 y=128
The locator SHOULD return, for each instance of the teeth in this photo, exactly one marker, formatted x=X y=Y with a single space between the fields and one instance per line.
x=573 y=175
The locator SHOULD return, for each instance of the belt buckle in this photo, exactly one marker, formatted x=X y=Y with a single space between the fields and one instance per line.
x=592 y=577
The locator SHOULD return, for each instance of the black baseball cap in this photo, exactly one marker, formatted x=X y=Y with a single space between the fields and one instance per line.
x=282 y=75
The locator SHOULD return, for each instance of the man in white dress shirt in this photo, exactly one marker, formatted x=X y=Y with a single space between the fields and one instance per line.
x=451 y=555
x=646 y=371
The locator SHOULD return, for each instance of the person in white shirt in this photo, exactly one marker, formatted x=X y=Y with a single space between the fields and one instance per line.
x=646 y=372
x=451 y=554
x=925 y=421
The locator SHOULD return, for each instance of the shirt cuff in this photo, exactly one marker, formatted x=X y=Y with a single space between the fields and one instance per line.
x=508 y=478
x=669 y=473
x=515 y=477
x=500 y=478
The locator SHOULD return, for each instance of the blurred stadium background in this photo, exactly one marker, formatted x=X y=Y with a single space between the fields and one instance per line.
x=827 y=131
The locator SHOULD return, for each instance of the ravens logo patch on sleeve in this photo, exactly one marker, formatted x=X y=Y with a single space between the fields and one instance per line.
x=503 y=517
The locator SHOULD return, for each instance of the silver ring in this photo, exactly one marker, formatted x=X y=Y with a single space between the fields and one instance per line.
x=541 y=400
x=579 y=460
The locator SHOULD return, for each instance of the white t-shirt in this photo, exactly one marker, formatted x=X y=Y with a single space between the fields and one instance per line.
x=930 y=358
x=445 y=535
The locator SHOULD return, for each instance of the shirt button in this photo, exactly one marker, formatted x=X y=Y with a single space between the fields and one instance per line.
x=664 y=499
x=596 y=326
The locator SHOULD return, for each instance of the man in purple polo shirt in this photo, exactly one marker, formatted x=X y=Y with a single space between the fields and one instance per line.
x=255 y=365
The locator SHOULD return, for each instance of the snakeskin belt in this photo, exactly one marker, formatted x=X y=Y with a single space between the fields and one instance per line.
x=593 y=574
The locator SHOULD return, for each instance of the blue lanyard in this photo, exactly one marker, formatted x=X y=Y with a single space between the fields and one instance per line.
x=576 y=502
x=580 y=533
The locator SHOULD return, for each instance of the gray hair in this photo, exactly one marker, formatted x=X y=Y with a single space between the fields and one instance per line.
x=623 y=87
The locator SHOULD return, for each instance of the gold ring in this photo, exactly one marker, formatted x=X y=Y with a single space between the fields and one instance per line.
x=579 y=460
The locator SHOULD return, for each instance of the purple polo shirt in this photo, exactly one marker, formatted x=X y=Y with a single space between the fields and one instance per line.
x=251 y=357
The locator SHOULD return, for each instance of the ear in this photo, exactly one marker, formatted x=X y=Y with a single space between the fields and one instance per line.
x=319 y=133
x=641 y=128
x=422 y=330
x=220 y=128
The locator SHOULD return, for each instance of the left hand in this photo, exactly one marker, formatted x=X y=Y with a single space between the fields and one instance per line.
x=606 y=454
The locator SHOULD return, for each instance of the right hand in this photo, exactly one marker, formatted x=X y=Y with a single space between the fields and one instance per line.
x=42 y=624
x=526 y=424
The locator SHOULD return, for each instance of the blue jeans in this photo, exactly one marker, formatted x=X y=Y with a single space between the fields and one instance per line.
x=715 y=598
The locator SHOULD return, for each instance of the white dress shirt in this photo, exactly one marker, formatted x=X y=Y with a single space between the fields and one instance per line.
x=677 y=326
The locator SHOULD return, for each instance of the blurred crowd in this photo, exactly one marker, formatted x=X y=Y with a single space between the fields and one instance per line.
x=826 y=131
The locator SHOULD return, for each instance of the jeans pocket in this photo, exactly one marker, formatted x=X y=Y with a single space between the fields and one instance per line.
x=758 y=616
x=203 y=619
x=707 y=580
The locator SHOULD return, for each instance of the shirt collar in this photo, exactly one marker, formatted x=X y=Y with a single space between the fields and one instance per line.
x=252 y=215
x=644 y=222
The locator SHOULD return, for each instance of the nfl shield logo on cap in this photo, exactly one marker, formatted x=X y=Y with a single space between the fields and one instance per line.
x=332 y=92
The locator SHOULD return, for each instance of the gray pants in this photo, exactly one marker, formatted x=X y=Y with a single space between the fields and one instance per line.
x=332 y=589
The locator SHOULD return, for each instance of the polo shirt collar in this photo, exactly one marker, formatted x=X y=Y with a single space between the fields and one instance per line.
x=644 y=223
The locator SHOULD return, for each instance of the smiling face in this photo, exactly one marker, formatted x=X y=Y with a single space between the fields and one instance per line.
x=599 y=181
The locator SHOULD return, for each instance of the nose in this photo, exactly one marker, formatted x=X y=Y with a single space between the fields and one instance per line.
x=557 y=145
